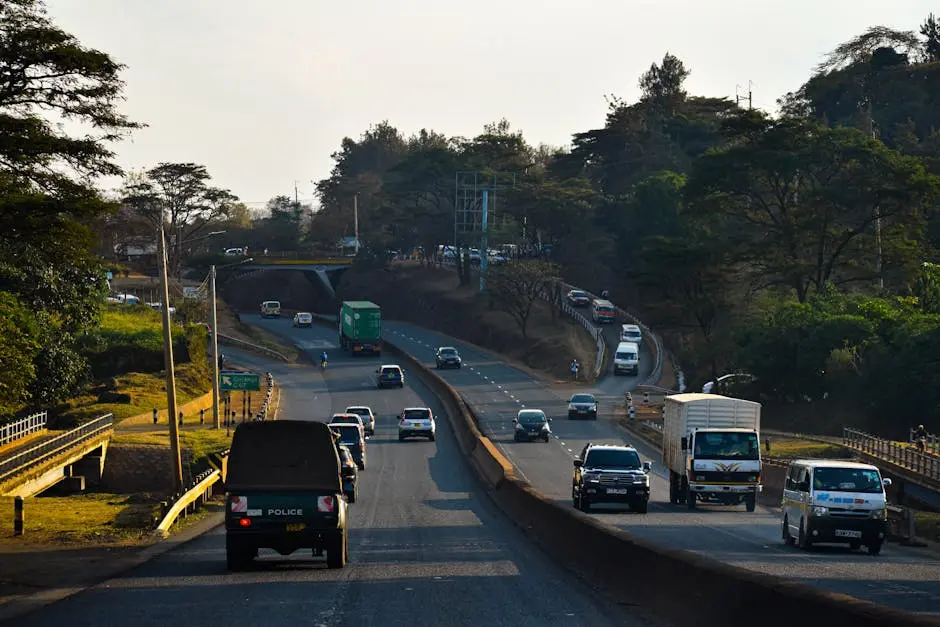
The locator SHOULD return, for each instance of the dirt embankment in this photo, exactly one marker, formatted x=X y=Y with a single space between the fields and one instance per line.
x=295 y=290
x=431 y=297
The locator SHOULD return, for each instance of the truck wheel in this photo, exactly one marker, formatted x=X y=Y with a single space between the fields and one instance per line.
x=351 y=497
x=803 y=540
x=750 y=502
x=788 y=539
x=641 y=506
x=673 y=488
x=690 y=498
x=238 y=556
x=338 y=554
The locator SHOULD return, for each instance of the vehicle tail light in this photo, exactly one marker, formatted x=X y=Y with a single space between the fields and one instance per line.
x=244 y=522
x=326 y=504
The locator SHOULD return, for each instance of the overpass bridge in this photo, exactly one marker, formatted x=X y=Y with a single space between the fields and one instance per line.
x=325 y=269
x=33 y=464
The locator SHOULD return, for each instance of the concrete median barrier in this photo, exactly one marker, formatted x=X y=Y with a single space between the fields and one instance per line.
x=673 y=584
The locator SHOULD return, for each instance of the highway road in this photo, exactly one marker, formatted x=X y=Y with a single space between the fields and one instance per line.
x=904 y=578
x=427 y=546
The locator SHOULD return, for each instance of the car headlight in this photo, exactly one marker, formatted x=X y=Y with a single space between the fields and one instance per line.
x=819 y=510
x=642 y=479
x=879 y=514
x=592 y=478
x=545 y=427
x=519 y=427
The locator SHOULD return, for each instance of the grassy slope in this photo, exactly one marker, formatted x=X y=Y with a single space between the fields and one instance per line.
x=146 y=390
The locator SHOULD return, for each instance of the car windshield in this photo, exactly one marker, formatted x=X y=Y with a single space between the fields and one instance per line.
x=625 y=355
x=448 y=352
x=847 y=480
x=578 y=294
x=531 y=418
x=348 y=435
x=582 y=398
x=416 y=414
x=728 y=445
x=612 y=458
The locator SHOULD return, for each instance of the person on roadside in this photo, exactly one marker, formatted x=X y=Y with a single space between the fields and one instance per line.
x=605 y=294
x=575 y=368
x=920 y=438
x=323 y=360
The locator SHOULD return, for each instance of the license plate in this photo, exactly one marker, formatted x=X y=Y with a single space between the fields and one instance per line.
x=617 y=491
x=296 y=526
x=415 y=424
x=847 y=533
x=582 y=411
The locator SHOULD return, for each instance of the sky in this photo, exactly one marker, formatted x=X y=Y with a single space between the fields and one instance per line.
x=262 y=93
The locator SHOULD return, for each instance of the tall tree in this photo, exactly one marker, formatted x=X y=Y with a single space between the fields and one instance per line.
x=800 y=202
x=46 y=198
x=179 y=194
x=43 y=69
x=516 y=286
x=930 y=29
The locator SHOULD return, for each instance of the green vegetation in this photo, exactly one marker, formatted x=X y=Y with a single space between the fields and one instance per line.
x=96 y=518
x=202 y=442
x=126 y=357
x=51 y=281
x=792 y=448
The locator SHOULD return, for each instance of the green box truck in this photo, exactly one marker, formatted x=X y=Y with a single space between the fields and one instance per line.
x=360 y=327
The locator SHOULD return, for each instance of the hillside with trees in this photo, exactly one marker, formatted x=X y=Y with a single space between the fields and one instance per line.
x=799 y=247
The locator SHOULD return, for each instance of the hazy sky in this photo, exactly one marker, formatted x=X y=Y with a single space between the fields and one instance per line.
x=263 y=92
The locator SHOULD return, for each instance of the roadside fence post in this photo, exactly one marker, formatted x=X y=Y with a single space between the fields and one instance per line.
x=18 y=516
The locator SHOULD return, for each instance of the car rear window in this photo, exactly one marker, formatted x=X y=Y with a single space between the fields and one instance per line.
x=417 y=414
x=390 y=371
x=348 y=434
x=361 y=411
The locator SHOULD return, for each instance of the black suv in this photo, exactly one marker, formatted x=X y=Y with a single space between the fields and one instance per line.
x=447 y=356
x=611 y=473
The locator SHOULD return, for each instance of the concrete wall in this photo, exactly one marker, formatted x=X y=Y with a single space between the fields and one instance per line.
x=141 y=468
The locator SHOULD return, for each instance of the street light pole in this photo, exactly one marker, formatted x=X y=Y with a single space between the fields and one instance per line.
x=170 y=374
x=356 y=219
x=215 y=351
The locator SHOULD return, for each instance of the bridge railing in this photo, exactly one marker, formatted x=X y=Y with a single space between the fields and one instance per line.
x=903 y=455
x=234 y=341
x=22 y=427
x=36 y=455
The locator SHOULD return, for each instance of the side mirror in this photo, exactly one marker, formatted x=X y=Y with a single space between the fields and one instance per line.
x=647 y=466
x=886 y=482
x=685 y=444
x=514 y=421
x=549 y=419
x=578 y=463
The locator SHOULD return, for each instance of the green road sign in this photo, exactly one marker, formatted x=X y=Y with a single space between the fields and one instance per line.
x=249 y=381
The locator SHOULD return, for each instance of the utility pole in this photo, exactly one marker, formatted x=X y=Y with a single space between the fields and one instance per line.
x=750 y=95
x=170 y=374
x=483 y=243
x=356 y=219
x=296 y=194
x=880 y=261
x=215 y=351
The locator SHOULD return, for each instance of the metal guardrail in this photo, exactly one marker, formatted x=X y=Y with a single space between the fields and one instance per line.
x=658 y=352
x=35 y=455
x=596 y=333
x=266 y=404
x=905 y=456
x=226 y=339
x=22 y=427
x=198 y=492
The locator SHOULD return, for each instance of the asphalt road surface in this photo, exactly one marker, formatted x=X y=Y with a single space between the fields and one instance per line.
x=427 y=547
x=904 y=578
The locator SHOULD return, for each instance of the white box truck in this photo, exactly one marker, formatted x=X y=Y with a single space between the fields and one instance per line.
x=711 y=446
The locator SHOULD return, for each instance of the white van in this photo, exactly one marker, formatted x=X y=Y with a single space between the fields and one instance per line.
x=603 y=312
x=834 y=501
x=270 y=309
x=630 y=333
x=627 y=358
